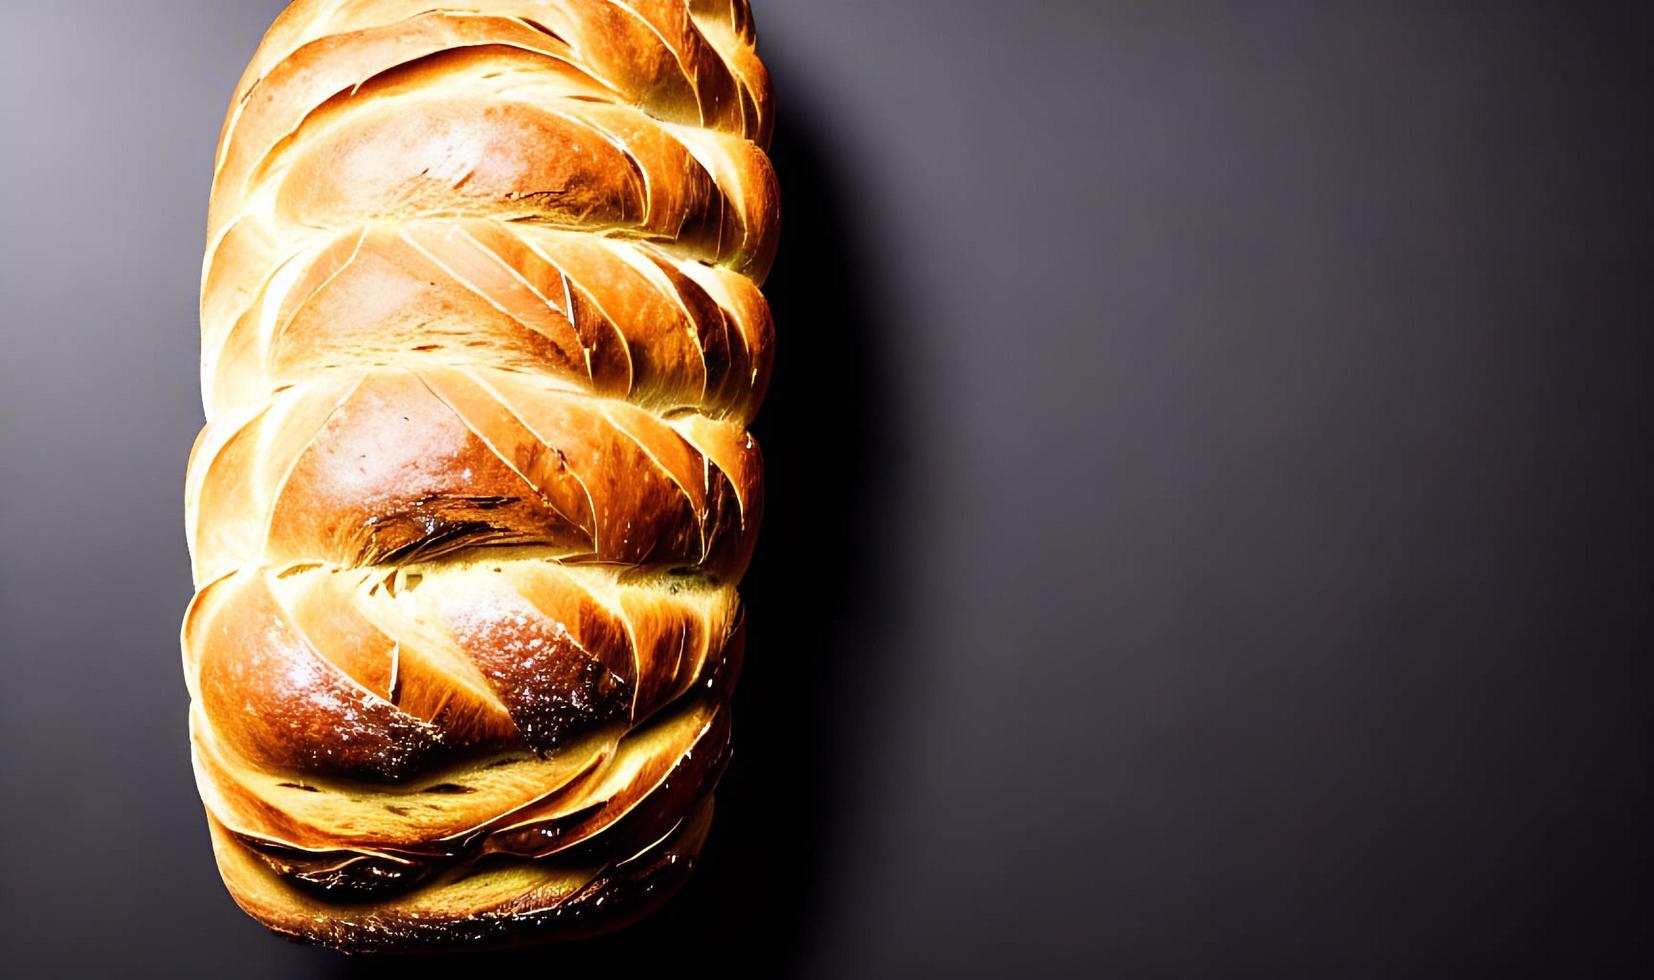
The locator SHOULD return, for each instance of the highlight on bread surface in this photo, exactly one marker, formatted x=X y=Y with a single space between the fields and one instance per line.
x=481 y=339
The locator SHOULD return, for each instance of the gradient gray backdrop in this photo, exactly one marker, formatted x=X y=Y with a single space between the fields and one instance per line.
x=1209 y=531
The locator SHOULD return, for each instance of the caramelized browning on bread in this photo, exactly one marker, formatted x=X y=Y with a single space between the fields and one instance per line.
x=481 y=340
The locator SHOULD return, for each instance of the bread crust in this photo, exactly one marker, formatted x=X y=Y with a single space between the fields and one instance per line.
x=481 y=340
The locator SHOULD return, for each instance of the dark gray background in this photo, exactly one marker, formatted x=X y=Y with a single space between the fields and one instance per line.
x=1209 y=531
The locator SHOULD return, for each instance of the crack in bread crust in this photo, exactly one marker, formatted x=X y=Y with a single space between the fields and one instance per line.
x=481 y=339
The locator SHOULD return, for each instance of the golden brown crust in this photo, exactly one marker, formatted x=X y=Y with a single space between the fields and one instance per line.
x=481 y=338
x=503 y=903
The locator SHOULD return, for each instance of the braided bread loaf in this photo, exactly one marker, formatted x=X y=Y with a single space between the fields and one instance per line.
x=481 y=338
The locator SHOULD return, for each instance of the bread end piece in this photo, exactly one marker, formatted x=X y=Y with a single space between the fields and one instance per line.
x=511 y=904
